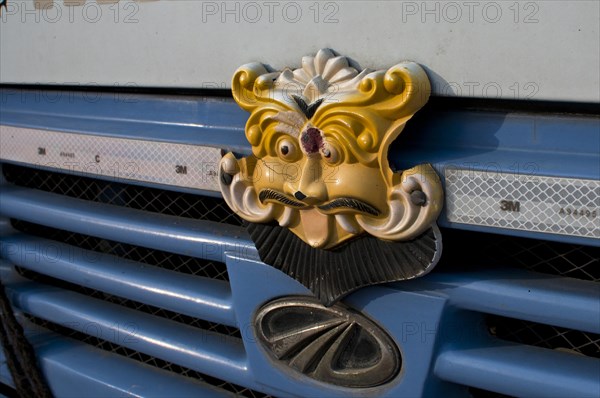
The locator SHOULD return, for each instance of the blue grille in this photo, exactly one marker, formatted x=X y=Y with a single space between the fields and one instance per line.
x=53 y=254
x=139 y=291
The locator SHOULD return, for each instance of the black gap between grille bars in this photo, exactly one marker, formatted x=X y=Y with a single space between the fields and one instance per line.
x=144 y=358
x=157 y=258
x=545 y=336
x=472 y=250
x=131 y=304
x=476 y=250
x=8 y=391
x=162 y=201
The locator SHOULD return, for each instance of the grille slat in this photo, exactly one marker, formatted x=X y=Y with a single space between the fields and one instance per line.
x=190 y=295
x=128 y=303
x=201 y=350
x=137 y=197
x=194 y=238
x=221 y=385
x=161 y=259
x=111 y=374
x=518 y=370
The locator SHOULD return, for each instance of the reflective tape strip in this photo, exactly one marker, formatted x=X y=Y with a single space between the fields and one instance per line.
x=182 y=165
x=564 y=206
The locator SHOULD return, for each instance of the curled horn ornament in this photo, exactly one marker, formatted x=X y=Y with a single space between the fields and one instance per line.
x=318 y=191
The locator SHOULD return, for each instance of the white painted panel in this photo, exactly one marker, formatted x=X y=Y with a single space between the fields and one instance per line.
x=543 y=50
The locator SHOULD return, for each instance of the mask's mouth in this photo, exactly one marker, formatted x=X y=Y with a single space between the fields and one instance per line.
x=270 y=196
x=340 y=205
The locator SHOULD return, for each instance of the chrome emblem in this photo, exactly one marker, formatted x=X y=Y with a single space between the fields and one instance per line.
x=334 y=345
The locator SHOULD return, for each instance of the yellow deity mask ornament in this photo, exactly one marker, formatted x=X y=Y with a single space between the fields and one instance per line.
x=322 y=202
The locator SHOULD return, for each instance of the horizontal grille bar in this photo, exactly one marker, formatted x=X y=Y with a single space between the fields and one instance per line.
x=521 y=371
x=204 y=351
x=157 y=258
x=196 y=238
x=72 y=368
x=559 y=301
x=118 y=193
x=106 y=346
x=190 y=295
x=127 y=303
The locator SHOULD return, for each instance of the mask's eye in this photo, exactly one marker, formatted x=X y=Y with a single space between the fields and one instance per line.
x=287 y=150
x=330 y=154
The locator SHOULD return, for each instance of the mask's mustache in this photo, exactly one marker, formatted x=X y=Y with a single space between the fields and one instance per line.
x=269 y=194
x=339 y=203
x=349 y=203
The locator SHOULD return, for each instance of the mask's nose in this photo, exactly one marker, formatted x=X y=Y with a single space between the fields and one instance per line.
x=311 y=188
x=311 y=140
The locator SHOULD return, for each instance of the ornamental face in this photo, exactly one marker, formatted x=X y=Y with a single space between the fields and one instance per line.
x=320 y=136
x=322 y=202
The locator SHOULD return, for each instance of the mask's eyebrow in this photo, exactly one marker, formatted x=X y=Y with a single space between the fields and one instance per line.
x=289 y=123
x=308 y=110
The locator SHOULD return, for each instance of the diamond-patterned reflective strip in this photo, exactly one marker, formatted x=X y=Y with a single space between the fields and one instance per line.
x=565 y=206
x=182 y=165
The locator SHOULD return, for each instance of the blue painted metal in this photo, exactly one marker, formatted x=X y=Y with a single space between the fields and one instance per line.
x=435 y=316
x=204 y=351
x=514 y=293
x=518 y=143
x=532 y=144
x=521 y=371
x=184 y=236
x=392 y=311
x=78 y=370
x=206 y=121
x=437 y=321
x=423 y=316
x=195 y=296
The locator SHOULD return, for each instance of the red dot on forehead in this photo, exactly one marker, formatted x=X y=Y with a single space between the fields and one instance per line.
x=311 y=140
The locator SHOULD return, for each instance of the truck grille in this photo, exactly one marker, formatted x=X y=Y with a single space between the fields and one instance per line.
x=145 y=359
x=551 y=258
x=156 y=258
x=101 y=249
x=129 y=263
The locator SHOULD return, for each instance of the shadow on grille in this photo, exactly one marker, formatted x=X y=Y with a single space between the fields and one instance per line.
x=464 y=249
x=170 y=261
x=485 y=250
x=134 y=305
x=146 y=359
x=121 y=194
x=7 y=391
x=546 y=336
